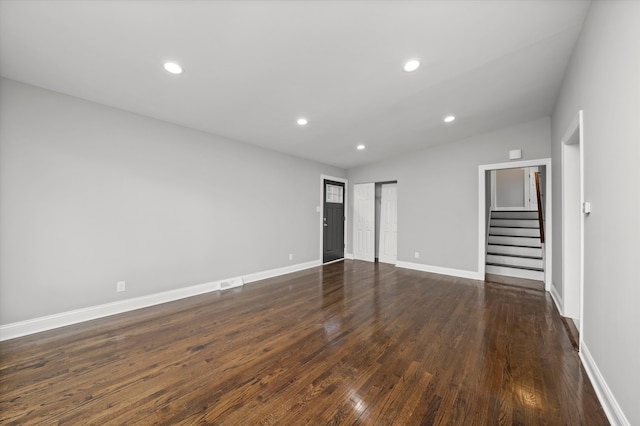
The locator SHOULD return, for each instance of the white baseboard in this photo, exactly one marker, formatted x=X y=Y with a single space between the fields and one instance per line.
x=349 y=256
x=609 y=404
x=280 y=271
x=49 y=322
x=556 y=299
x=439 y=270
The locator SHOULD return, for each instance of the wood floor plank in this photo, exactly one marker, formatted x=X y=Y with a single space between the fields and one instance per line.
x=346 y=343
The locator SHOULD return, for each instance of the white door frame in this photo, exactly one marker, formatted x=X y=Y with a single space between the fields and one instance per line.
x=482 y=219
x=573 y=136
x=321 y=212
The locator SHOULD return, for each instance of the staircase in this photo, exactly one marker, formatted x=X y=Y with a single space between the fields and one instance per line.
x=514 y=249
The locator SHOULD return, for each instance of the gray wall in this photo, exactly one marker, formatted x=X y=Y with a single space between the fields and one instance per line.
x=438 y=192
x=603 y=79
x=90 y=195
x=510 y=188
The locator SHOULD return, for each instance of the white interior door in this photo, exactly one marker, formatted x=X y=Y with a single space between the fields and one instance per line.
x=364 y=211
x=530 y=195
x=389 y=224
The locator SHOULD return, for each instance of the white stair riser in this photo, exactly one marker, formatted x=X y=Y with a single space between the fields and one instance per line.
x=514 y=215
x=515 y=241
x=514 y=272
x=520 y=232
x=514 y=222
x=515 y=251
x=515 y=261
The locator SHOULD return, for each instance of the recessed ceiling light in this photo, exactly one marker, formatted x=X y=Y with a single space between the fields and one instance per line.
x=411 y=65
x=360 y=147
x=449 y=118
x=302 y=121
x=173 y=68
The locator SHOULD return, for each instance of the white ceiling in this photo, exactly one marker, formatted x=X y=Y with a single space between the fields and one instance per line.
x=253 y=67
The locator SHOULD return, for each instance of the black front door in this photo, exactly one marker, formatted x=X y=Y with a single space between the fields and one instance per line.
x=333 y=221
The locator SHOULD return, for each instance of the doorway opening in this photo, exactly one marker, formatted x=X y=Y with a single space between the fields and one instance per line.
x=573 y=225
x=515 y=238
x=507 y=233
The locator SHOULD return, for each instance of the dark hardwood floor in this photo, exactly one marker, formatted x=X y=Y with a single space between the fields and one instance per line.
x=347 y=343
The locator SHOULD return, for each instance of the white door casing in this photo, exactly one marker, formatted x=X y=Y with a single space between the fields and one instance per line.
x=364 y=211
x=389 y=224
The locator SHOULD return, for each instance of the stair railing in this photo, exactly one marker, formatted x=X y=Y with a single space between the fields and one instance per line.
x=539 y=198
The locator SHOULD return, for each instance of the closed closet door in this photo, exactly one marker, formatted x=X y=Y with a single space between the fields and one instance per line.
x=388 y=250
x=364 y=221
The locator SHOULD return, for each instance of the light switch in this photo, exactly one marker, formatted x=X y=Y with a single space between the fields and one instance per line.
x=586 y=207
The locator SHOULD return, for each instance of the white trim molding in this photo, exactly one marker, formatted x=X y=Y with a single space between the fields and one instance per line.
x=250 y=278
x=49 y=322
x=609 y=403
x=461 y=273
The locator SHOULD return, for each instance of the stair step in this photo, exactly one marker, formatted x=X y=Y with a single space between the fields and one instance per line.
x=515 y=241
x=515 y=272
x=516 y=261
x=514 y=250
x=515 y=267
x=515 y=214
x=515 y=223
x=515 y=281
x=520 y=232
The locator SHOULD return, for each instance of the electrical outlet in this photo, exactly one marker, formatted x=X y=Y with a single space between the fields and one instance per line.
x=417 y=255
x=121 y=286
x=290 y=256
